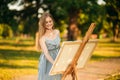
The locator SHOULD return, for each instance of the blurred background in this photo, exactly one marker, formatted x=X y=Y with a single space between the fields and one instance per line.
x=19 y=25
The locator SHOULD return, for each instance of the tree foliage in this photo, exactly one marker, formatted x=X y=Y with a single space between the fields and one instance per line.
x=5 y=31
x=113 y=16
x=76 y=14
x=72 y=12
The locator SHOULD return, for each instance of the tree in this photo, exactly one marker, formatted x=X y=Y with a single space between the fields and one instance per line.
x=113 y=16
x=69 y=11
x=20 y=12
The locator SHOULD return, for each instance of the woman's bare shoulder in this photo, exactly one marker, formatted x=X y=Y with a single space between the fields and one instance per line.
x=57 y=31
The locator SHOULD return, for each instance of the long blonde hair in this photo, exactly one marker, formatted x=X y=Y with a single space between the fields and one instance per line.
x=42 y=28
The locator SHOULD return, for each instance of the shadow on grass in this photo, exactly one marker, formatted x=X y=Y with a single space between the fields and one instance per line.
x=98 y=57
x=117 y=42
x=6 y=65
x=114 y=45
x=18 y=54
x=8 y=55
x=16 y=44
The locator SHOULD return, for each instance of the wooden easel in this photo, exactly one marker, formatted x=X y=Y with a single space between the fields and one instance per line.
x=71 y=69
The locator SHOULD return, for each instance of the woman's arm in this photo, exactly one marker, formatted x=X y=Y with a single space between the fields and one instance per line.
x=45 y=50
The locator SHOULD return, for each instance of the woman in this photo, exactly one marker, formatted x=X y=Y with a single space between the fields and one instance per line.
x=48 y=41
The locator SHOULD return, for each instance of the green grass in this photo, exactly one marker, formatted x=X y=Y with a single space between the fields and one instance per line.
x=19 y=57
x=106 y=49
x=114 y=77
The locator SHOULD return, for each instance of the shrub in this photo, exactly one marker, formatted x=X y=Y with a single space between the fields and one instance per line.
x=5 y=31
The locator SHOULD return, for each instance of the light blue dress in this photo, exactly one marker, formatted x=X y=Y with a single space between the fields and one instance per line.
x=44 y=65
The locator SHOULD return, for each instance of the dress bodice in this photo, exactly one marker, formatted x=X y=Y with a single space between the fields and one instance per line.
x=53 y=44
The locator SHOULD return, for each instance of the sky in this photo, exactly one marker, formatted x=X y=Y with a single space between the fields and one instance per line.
x=101 y=2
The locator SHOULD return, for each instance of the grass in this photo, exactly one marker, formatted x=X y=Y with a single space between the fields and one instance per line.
x=114 y=77
x=106 y=49
x=19 y=57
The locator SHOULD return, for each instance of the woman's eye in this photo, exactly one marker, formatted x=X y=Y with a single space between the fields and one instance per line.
x=46 y=22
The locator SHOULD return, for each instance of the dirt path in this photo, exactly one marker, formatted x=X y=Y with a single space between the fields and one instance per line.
x=92 y=71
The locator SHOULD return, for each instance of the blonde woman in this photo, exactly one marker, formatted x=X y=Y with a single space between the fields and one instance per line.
x=48 y=41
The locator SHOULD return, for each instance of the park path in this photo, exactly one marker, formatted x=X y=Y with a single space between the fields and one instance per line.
x=93 y=71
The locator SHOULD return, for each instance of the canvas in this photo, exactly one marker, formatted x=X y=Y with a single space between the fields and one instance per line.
x=67 y=53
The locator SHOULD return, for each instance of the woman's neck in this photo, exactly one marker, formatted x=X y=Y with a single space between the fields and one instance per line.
x=49 y=32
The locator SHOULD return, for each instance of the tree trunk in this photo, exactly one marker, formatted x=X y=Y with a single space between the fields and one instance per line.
x=73 y=30
x=115 y=32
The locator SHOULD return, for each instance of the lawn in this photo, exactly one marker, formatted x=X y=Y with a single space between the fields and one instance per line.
x=19 y=57
x=106 y=49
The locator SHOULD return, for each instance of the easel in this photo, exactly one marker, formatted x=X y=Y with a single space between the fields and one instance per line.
x=71 y=69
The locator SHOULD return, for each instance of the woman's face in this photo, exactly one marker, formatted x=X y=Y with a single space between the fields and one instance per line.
x=48 y=23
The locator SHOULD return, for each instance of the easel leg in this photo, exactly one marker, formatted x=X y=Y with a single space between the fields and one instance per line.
x=74 y=74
